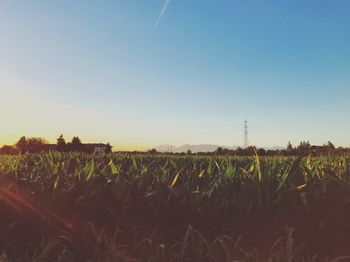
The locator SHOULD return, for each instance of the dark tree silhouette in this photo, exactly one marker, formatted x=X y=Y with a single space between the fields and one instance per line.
x=330 y=145
x=152 y=151
x=303 y=148
x=22 y=144
x=219 y=151
x=261 y=152
x=108 y=148
x=36 y=144
x=33 y=141
x=61 y=144
x=32 y=144
x=76 y=140
x=76 y=144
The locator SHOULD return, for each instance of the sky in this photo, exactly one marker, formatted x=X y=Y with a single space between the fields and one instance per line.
x=139 y=73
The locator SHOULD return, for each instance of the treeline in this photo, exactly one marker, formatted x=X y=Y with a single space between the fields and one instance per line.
x=304 y=148
x=39 y=144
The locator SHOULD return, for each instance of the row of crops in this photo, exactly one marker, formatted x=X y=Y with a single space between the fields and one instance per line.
x=123 y=207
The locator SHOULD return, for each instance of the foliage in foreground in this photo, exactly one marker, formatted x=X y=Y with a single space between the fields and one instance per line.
x=120 y=207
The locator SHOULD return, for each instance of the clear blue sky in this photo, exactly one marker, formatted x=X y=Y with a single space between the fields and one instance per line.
x=106 y=71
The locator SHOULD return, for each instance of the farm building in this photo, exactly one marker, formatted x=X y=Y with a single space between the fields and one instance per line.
x=95 y=148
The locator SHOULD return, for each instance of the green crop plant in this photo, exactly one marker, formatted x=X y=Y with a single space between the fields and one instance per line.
x=174 y=207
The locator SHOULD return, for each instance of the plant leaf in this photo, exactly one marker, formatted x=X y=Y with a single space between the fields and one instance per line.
x=175 y=178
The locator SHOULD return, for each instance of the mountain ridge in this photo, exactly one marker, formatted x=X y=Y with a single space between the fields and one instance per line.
x=200 y=148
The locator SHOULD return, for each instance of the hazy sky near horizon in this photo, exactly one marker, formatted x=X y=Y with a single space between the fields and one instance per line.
x=143 y=73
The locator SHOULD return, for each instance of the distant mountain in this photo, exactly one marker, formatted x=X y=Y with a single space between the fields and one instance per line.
x=274 y=147
x=193 y=148
x=200 y=148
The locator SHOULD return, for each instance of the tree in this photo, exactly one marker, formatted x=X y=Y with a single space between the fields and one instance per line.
x=108 y=148
x=289 y=146
x=35 y=141
x=31 y=144
x=152 y=151
x=219 y=151
x=239 y=151
x=330 y=145
x=189 y=152
x=61 y=144
x=76 y=144
x=22 y=144
x=36 y=144
x=304 y=147
x=76 y=141
x=261 y=152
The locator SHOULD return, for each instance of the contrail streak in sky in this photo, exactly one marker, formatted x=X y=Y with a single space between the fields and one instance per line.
x=162 y=12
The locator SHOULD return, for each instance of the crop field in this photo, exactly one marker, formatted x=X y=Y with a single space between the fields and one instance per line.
x=129 y=207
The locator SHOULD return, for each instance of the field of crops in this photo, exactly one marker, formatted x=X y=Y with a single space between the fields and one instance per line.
x=123 y=207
